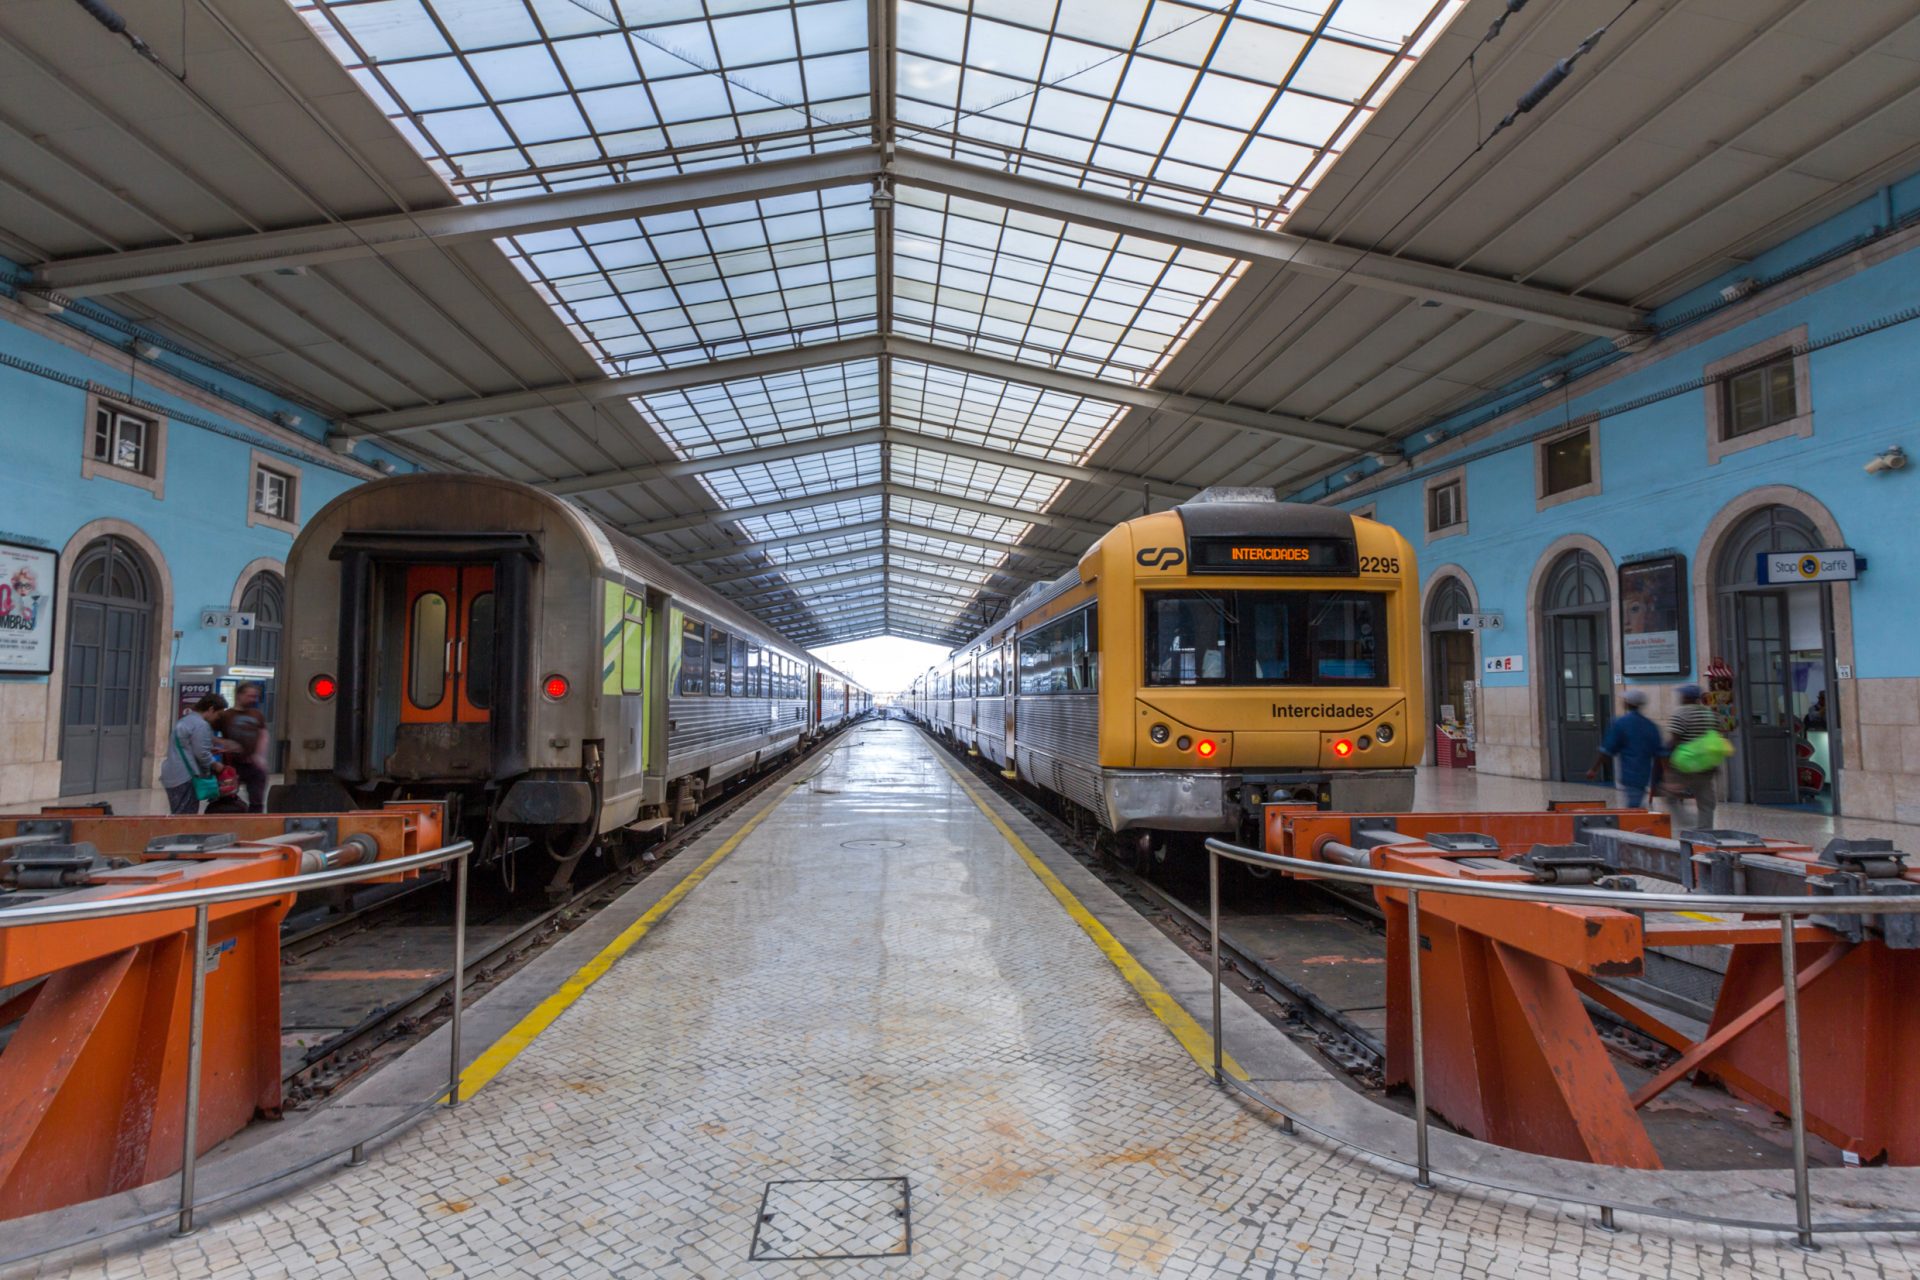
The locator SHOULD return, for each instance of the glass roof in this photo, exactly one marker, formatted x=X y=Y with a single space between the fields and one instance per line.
x=1233 y=110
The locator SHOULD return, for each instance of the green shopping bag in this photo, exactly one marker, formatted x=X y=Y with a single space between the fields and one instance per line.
x=1701 y=754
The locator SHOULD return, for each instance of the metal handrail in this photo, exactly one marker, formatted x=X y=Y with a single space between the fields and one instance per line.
x=201 y=901
x=1787 y=909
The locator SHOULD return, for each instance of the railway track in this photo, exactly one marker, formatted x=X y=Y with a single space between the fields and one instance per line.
x=361 y=987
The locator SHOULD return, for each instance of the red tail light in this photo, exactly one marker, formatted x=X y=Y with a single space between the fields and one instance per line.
x=322 y=687
x=1343 y=748
x=555 y=687
x=1206 y=747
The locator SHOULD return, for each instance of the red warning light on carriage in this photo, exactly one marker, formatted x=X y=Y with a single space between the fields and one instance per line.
x=322 y=687
x=1343 y=748
x=555 y=687
x=1206 y=748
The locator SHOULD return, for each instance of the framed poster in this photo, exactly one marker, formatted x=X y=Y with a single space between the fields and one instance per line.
x=27 y=578
x=1653 y=617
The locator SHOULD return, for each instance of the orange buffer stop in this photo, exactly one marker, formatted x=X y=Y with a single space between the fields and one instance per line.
x=93 y=1078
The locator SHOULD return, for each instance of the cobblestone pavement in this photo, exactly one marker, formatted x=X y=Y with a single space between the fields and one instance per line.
x=873 y=986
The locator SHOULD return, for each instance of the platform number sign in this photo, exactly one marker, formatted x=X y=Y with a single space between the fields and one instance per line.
x=226 y=620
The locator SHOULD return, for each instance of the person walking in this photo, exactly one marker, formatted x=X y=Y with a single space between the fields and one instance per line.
x=1633 y=743
x=1692 y=721
x=246 y=727
x=190 y=755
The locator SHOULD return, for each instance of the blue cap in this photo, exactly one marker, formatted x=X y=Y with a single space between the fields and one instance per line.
x=1688 y=691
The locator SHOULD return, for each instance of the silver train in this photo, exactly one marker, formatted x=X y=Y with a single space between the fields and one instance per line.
x=474 y=638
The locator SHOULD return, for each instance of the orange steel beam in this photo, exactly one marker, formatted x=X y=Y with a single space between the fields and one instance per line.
x=1593 y=940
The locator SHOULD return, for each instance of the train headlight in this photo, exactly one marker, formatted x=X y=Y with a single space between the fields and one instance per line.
x=1384 y=734
x=555 y=687
x=1184 y=742
x=1343 y=748
x=1206 y=748
x=1159 y=733
x=323 y=687
x=1365 y=742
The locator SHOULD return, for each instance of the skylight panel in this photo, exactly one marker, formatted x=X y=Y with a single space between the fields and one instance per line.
x=1157 y=100
x=775 y=408
x=990 y=411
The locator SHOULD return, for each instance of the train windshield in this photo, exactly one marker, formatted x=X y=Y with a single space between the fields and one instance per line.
x=1314 y=638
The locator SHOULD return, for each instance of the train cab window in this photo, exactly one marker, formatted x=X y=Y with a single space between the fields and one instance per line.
x=693 y=657
x=718 y=643
x=756 y=673
x=1187 y=637
x=739 y=685
x=1266 y=637
x=479 y=655
x=427 y=673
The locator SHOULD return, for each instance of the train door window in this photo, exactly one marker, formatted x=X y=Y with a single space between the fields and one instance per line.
x=633 y=646
x=717 y=644
x=739 y=652
x=693 y=657
x=1090 y=650
x=1187 y=635
x=479 y=654
x=756 y=675
x=427 y=650
x=999 y=674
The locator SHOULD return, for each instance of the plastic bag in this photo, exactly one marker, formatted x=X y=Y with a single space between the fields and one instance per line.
x=1701 y=754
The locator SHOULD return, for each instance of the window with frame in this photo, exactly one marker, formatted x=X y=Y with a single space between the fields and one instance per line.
x=273 y=493
x=1062 y=656
x=739 y=655
x=1566 y=463
x=756 y=682
x=1446 y=505
x=1761 y=397
x=124 y=439
x=1266 y=637
x=718 y=642
x=693 y=657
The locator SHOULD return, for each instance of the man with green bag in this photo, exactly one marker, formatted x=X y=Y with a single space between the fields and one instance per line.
x=1695 y=748
x=191 y=771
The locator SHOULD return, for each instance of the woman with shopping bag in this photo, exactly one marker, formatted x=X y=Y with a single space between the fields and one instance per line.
x=1695 y=750
x=191 y=771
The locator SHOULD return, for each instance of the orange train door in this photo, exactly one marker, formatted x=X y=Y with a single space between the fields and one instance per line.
x=449 y=654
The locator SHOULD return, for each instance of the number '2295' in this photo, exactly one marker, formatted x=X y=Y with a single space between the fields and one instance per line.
x=1379 y=564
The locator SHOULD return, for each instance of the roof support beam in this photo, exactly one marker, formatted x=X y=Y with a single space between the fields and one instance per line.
x=861 y=529
x=894 y=435
x=925 y=580
x=387 y=234
x=863 y=553
x=901 y=492
x=1281 y=249
x=1172 y=404
x=984 y=544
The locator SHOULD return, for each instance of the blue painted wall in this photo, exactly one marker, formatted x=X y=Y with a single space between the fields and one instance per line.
x=1658 y=489
x=201 y=525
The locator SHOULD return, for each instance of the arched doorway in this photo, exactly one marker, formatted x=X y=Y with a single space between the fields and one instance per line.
x=1779 y=642
x=1449 y=650
x=109 y=653
x=1579 y=642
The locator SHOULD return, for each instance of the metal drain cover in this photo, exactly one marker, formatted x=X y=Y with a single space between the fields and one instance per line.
x=833 y=1218
x=873 y=844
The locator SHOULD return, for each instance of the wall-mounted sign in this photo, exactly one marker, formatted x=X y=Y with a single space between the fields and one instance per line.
x=1835 y=564
x=226 y=620
x=1511 y=662
x=1481 y=622
x=1653 y=617
x=27 y=578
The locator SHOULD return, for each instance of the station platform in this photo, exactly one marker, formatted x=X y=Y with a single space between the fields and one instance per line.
x=881 y=1025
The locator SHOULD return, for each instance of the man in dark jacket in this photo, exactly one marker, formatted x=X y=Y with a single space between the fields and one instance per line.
x=1633 y=742
x=246 y=727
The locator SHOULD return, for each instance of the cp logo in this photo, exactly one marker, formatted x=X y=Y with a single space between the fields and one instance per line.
x=1160 y=557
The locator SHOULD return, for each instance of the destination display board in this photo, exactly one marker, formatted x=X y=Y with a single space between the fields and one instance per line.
x=1271 y=555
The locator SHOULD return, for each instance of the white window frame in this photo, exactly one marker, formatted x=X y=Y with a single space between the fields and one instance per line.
x=152 y=477
x=1717 y=374
x=1456 y=475
x=1590 y=427
x=267 y=462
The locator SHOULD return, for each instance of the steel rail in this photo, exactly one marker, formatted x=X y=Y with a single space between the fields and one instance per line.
x=1803 y=1228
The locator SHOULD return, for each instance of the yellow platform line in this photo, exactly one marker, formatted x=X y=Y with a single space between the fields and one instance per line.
x=494 y=1060
x=1193 y=1037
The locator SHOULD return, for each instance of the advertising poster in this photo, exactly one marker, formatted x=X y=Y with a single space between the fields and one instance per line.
x=27 y=577
x=1653 y=617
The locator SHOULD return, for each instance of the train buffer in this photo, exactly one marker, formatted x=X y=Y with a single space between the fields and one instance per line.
x=93 y=1078
x=1512 y=1053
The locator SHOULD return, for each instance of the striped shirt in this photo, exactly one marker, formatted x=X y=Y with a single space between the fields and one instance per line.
x=1690 y=721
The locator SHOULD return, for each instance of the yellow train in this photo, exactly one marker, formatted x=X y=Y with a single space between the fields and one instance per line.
x=1199 y=662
